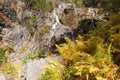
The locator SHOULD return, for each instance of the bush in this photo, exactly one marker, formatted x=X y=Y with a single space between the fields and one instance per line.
x=53 y=71
x=2 y=55
x=109 y=32
x=7 y=68
x=87 y=59
x=8 y=49
x=87 y=26
x=5 y=65
x=40 y=4
x=3 y=51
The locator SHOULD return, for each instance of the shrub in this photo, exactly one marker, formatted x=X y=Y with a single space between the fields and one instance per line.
x=109 y=32
x=7 y=68
x=40 y=4
x=87 y=26
x=53 y=71
x=5 y=65
x=2 y=55
x=8 y=49
x=3 y=51
x=86 y=59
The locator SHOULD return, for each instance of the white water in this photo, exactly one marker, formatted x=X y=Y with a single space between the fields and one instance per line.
x=56 y=21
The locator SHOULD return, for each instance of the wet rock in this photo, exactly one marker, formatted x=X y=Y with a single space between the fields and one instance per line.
x=19 y=36
x=16 y=36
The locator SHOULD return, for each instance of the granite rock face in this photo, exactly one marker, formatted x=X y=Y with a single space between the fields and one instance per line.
x=24 y=29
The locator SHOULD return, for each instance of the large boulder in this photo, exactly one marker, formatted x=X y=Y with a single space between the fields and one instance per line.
x=35 y=68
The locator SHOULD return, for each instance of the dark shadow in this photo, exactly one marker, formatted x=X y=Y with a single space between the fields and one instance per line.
x=116 y=57
x=85 y=26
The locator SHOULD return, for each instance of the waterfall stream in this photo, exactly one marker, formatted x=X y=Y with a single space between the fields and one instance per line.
x=56 y=21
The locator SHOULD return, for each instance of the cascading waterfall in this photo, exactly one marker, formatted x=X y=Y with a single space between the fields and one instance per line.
x=57 y=21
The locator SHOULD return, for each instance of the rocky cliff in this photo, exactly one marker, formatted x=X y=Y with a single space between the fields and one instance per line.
x=23 y=29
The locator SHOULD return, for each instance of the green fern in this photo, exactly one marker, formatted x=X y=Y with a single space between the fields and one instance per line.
x=83 y=60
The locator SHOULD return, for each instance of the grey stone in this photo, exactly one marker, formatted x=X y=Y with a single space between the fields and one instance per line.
x=35 y=68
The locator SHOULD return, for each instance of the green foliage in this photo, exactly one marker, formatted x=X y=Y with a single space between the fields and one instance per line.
x=109 y=31
x=2 y=55
x=3 y=51
x=8 y=49
x=53 y=71
x=79 y=3
x=100 y=78
x=32 y=55
x=8 y=68
x=112 y=5
x=40 y=4
x=68 y=73
x=106 y=30
x=5 y=65
x=93 y=3
x=87 y=26
x=86 y=60
x=91 y=59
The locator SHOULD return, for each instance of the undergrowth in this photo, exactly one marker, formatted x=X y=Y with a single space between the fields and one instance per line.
x=87 y=60
x=32 y=55
x=53 y=71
